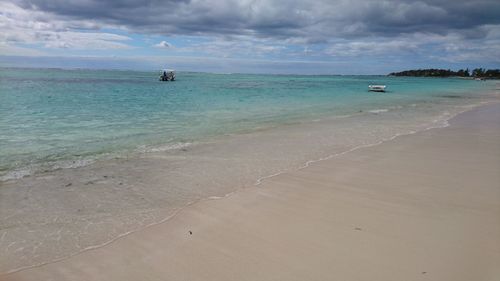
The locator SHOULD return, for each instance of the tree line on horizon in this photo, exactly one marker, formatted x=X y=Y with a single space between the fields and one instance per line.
x=432 y=72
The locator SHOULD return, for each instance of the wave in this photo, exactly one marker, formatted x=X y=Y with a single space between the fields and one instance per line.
x=376 y=111
x=45 y=167
x=164 y=147
x=30 y=170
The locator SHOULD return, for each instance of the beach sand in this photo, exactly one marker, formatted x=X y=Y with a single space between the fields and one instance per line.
x=420 y=207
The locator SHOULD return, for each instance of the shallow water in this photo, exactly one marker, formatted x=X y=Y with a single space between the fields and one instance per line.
x=87 y=156
x=52 y=118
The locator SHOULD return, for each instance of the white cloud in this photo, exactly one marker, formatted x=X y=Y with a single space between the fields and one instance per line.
x=11 y=50
x=382 y=46
x=84 y=40
x=237 y=46
x=452 y=47
x=20 y=26
x=164 y=45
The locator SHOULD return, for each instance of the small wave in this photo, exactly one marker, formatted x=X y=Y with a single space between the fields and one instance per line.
x=376 y=111
x=48 y=166
x=16 y=174
x=77 y=163
x=162 y=148
x=71 y=164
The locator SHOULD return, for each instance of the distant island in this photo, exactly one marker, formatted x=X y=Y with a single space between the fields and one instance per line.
x=476 y=73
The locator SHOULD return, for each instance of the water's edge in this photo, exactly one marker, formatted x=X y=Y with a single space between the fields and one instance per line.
x=172 y=213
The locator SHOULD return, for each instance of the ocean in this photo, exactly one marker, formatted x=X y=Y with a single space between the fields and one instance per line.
x=52 y=118
x=87 y=156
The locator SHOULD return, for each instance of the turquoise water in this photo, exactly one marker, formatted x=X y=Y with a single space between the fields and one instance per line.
x=121 y=132
x=51 y=118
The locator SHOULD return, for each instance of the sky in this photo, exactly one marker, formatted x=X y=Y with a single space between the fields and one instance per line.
x=251 y=36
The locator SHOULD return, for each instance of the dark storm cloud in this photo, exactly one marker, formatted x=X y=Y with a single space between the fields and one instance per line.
x=460 y=30
x=310 y=21
x=430 y=16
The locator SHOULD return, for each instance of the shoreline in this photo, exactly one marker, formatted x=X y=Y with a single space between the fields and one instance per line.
x=145 y=151
x=201 y=202
x=440 y=122
x=168 y=214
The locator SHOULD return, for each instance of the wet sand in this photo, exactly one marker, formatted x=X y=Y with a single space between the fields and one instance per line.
x=420 y=207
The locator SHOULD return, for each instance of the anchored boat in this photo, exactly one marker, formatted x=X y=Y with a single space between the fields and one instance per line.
x=377 y=88
x=167 y=75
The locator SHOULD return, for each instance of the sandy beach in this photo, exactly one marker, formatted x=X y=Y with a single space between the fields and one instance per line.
x=420 y=207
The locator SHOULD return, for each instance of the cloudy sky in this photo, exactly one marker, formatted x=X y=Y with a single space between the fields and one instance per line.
x=277 y=36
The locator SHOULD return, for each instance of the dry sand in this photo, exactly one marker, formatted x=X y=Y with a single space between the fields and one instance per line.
x=420 y=207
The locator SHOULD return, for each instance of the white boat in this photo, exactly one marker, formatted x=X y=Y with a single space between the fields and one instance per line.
x=167 y=75
x=377 y=88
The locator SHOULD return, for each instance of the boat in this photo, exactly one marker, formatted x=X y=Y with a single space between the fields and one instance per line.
x=167 y=75
x=377 y=88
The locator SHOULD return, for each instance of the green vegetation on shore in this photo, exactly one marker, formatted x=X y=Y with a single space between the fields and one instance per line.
x=477 y=73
